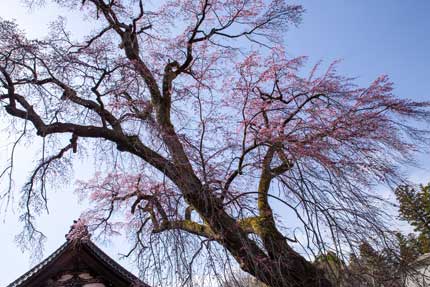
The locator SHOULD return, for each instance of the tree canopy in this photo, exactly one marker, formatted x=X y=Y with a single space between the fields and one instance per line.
x=201 y=125
x=414 y=207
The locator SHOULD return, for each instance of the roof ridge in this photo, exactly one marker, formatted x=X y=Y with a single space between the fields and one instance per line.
x=105 y=257
x=94 y=249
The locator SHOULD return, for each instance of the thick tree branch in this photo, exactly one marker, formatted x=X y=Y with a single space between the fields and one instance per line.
x=188 y=226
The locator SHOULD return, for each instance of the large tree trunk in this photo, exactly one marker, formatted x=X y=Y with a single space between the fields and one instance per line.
x=296 y=272
x=281 y=268
x=278 y=265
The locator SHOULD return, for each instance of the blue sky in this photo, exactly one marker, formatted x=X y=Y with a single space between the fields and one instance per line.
x=372 y=37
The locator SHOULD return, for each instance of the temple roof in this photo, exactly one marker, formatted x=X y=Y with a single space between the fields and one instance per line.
x=83 y=253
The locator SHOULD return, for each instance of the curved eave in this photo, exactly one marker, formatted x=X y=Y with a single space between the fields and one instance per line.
x=91 y=248
x=39 y=267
